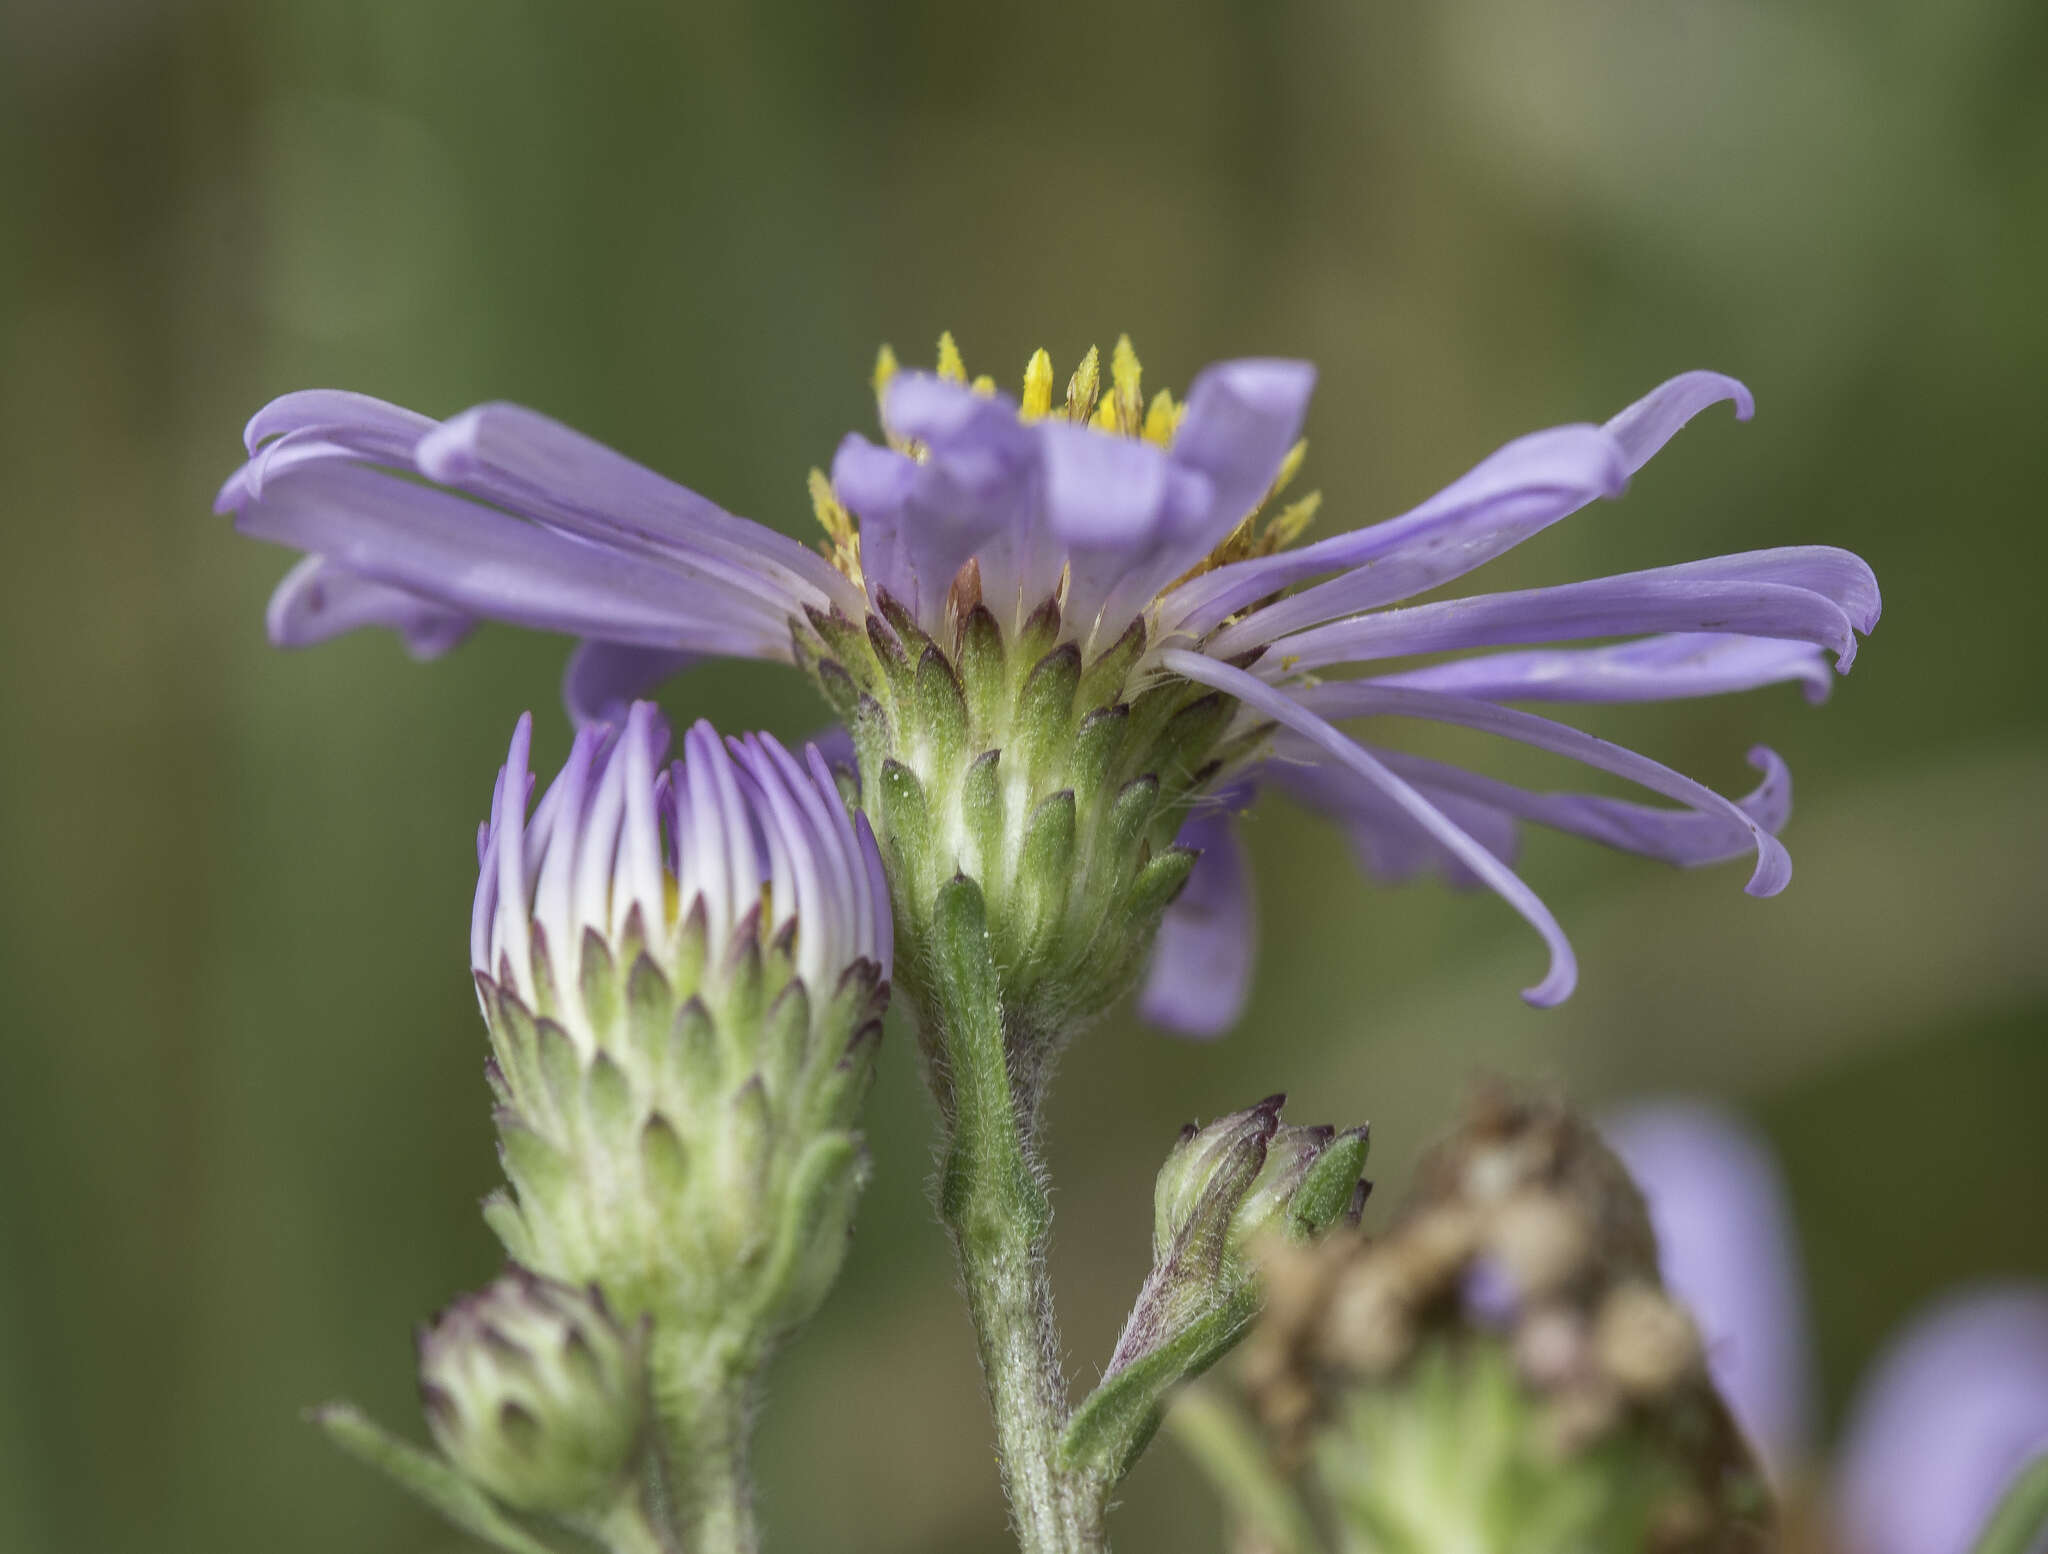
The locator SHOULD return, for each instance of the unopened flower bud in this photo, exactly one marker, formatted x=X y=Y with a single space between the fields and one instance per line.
x=684 y=969
x=536 y=1392
x=1240 y=1180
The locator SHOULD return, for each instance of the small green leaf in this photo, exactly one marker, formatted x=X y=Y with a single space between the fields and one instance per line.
x=1118 y=1419
x=427 y=1476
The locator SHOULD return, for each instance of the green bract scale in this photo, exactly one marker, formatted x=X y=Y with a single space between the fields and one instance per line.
x=536 y=1392
x=684 y=971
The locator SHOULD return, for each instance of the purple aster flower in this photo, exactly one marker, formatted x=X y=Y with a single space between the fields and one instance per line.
x=1952 y=1411
x=1057 y=632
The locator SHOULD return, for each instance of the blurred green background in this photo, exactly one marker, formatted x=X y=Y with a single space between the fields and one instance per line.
x=242 y=1123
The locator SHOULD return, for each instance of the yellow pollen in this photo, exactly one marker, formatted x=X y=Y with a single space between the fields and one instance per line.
x=951 y=367
x=984 y=385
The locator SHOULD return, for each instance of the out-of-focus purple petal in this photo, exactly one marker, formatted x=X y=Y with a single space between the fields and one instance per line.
x=975 y=493
x=1562 y=976
x=1953 y=1412
x=604 y=679
x=1200 y=972
x=1488 y=808
x=1725 y=1240
x=1665 y=668
x=1390 y=845
x=477 y=561
x=1102 y=492
x=1655 y=419
x=1516 y=492
x=318 y=601
x=1364 y=698
x=1666 y=599
x=328 y=409
x=1241 y=418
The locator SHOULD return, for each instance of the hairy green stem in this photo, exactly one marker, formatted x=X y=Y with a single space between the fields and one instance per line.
x=705 y=1406
x=995 y=1207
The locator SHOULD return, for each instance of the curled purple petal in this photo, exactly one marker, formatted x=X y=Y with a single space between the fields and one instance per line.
x=318 y=601
x=1953 y=1412
x=477 y=561
x=1200 y=972
x=1365 y=698
x=330 y=408
x=1515 y=493
x=1655 y=419
x=1727 y=1248
x=1562 y=976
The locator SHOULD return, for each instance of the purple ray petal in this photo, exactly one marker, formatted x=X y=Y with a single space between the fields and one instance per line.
x=525 y=461
x=875 y=485
x=332 y=408
x=1389 y=844
x=1956 y=1409
x=1664 y=668
x=1655 y=419
x=1686 y=838
x=1241 y=418
x=1666 y=599
x=1519 y=491
x=1255 y=693
x=1727 y=1249
x=1364 y=698
x=976 y=491
x=1101 y=492
x=318 y=601
x=477 y=561
x=1200 y=972
x=604 y=679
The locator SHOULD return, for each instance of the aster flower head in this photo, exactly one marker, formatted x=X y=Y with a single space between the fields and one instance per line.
x=1064 y=634
x=683 y=967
